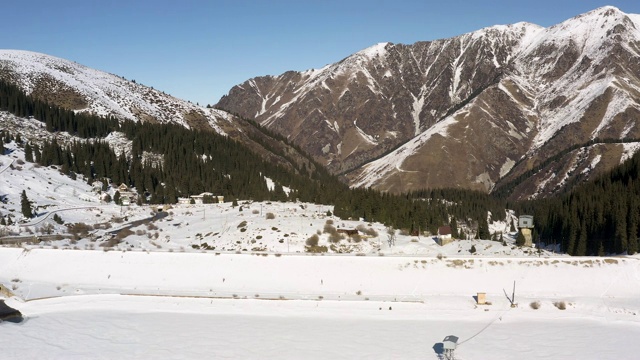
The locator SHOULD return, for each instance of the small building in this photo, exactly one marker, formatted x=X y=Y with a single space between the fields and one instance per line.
x=482 y=298
x=200 y=199
x=205 y=197
x=525 y=226
x=127 y=196
x=444 y=235
x=525 y=221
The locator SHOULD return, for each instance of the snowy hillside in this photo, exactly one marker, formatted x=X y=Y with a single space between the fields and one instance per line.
x=250 y=227
x=71 y=85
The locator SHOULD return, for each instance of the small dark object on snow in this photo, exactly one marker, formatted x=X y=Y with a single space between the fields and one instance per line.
x=9 y=314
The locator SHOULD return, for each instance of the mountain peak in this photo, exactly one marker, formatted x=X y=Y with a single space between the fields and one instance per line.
x=606 y=10
x=600 y=16
x=378 y=49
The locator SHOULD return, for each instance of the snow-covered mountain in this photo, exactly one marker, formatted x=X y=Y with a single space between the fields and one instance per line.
x=73 y=86
x=77 y=87
x=478 y=110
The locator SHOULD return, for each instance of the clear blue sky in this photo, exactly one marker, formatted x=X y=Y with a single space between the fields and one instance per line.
x=197 y=50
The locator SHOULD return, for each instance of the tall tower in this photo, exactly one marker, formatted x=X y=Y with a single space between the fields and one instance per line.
x=525 y=226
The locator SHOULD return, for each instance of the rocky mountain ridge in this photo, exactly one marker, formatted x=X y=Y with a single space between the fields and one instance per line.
x=479 y=110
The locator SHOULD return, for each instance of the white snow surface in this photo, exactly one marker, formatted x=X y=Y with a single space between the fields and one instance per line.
x=193 y=305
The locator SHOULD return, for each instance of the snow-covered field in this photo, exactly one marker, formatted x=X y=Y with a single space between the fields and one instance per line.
x=195 y=305
x=218 y=281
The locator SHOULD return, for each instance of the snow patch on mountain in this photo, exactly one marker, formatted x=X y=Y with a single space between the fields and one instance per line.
x=383 y=167
x=417 y=107
x=368 y=138
x=506 y=167
x=629 y=149
x=552 y=120
x=375 y=50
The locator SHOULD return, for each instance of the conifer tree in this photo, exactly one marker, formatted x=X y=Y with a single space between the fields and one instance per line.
x=633 y=216
x=25 y=205
x=520 y=240
x=601 y=250
x=581 y=247
x=620 y=235
x=57 y=219
x=28 y=152
x=483 y=228
x=454 y=228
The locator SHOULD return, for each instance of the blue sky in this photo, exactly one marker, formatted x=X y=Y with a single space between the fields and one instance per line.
x=197 y=50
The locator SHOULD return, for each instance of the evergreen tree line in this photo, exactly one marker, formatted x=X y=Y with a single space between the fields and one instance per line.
x=192 y=162
x=596 y=218
x=422 y=210
x=504 y=190
x=15 y=101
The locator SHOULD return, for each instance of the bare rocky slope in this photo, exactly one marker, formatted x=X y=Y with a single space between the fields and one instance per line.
x=527 y=108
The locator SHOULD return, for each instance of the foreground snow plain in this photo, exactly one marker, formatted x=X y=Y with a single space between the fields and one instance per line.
x=214 y=281
x=132 y=304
